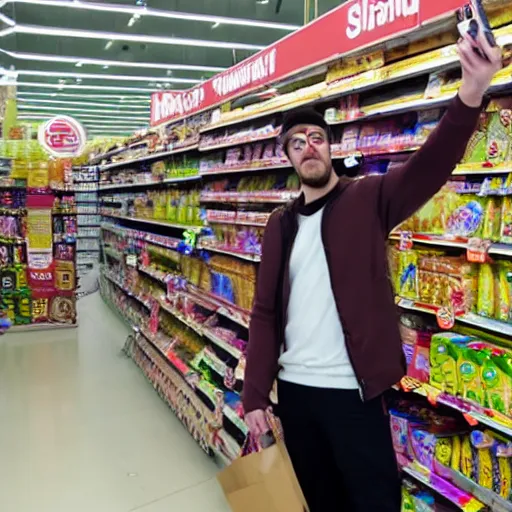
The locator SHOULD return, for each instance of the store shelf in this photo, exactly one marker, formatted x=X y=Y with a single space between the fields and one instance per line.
x=245 y=140
x=120 y=285
x=169 y=181
x=276 y=197
x=251 y=168
x=192 y=324
x=236 y=222
x=230 y=349
x=493 y=419
x=488 y=324
x=462 y=499
x=150 y=221
x=40 y=327
x=491 y=499
x=482 y=170
x=154 y=156
x=162 y=241
x=255 y=258
x=231 y=311
x=397 y=108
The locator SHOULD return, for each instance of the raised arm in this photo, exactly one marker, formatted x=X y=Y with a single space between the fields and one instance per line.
x=263 y=348
x=405 y=190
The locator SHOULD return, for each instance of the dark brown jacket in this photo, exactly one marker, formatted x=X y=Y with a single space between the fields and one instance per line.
x=357 y=220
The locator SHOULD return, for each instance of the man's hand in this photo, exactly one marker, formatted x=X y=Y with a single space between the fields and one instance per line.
x=477 y=71
x=257 y=423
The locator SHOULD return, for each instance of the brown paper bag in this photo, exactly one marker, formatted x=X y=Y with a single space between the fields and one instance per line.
x=263 y=482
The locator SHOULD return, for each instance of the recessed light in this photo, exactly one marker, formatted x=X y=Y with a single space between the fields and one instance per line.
x=136 y=38
x=37 y=57
x=101 y=76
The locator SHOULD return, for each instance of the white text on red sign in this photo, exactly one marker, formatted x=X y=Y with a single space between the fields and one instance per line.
x=367 y=15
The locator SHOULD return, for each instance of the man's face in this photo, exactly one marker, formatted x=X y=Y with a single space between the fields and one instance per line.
x=310 y=154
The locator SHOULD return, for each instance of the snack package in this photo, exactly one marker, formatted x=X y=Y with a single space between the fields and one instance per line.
x=486 y=291
x=504 y=291
x=491 y=225
x=469 y=373
x=498 y=137
x=406 y=284
x=496 y=377
x=466 y=220
x=444 y=356
x=506 y=220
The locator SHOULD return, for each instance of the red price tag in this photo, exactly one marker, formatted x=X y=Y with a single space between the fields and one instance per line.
x=477 y=250
x=405 y=241
x=445 y=318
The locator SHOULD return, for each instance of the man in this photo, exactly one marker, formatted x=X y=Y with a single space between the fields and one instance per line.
x=324 y=321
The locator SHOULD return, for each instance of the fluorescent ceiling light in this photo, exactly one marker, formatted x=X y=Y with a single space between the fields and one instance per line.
x=7 y=20
x=158 y=13
x=37 y=57
x=122 y=99
x=91 y=117
x=99 y=76
x=136 y=38
x=81 y=87
x=69 y=109
x=145 y=108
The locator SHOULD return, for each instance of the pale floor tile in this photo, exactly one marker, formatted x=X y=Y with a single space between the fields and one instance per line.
x=81 y=429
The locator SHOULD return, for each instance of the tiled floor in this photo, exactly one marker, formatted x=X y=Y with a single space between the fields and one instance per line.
x=81 y=430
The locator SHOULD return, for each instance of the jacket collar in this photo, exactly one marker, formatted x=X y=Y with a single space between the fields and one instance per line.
x=312 y=208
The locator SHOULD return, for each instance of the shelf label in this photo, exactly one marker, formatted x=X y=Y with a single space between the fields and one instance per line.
x=477 y=250
x=445 y=318
x=405 y=241
x=131 y=260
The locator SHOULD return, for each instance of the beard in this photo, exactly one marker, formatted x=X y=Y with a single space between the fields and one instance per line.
x=317 y=176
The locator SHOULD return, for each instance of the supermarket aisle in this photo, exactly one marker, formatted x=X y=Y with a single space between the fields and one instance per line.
x=82 y=430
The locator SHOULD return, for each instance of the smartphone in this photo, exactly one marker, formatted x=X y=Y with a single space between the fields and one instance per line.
x=472 y=18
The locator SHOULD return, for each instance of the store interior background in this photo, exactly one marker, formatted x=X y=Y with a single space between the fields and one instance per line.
x=129 y=399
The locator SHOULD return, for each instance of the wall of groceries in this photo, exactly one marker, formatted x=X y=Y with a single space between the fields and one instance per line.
x=180 y=216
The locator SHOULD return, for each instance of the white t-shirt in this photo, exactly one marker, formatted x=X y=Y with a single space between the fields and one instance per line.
x=316 y=353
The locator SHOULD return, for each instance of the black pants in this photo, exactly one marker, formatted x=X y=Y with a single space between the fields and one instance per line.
x=341 y=449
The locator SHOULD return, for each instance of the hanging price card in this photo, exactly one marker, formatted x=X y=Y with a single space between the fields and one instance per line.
x=477 y=250
x=445 y=318
x=405 y=240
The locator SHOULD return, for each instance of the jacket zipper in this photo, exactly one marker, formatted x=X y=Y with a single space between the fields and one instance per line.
x=361 y=382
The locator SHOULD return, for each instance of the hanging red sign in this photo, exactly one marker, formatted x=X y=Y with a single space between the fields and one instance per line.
x=352 y=26
x=62 y=137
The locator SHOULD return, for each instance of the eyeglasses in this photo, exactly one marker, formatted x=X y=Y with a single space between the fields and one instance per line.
x=299 y=141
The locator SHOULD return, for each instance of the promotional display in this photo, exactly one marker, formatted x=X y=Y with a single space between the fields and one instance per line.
x=184 y=207
x=38 y=224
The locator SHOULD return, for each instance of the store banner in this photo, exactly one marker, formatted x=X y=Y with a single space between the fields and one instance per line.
x=354 y=25
x=39 y=230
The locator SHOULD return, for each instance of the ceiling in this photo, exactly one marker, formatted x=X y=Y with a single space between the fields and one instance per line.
x=56 y=45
